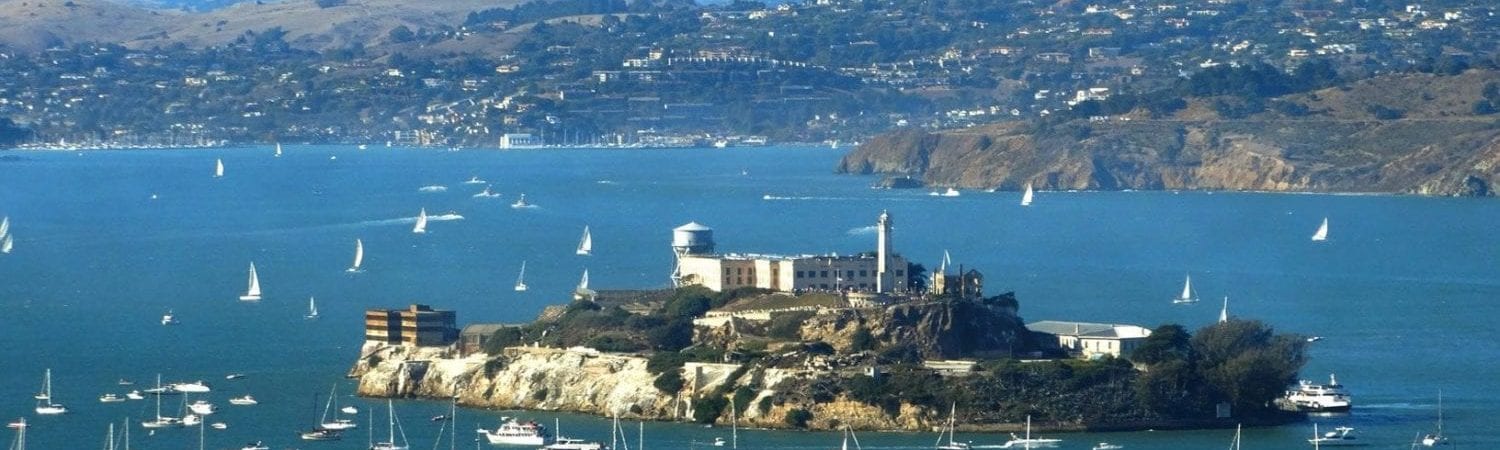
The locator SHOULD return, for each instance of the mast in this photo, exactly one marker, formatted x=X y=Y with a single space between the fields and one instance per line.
x=126 y=425
x=390 y=408
x=734 y=424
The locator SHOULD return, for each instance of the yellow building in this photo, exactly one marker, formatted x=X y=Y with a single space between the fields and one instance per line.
x=418 y=325
x=880 y=271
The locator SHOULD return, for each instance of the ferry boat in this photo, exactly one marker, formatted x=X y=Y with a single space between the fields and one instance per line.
x=515 y=432
x=1313 y=397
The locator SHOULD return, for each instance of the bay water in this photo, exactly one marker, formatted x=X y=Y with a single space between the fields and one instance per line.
x=1404 y=291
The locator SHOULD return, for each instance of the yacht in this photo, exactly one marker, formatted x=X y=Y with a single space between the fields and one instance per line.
x=202 y=408
x=515 y=432
x=586 y=244
x=1107 y=446
x=44 y=404
x=1026 y=197
x=1339 y=437
x=566 y=443
x=110 y=398
x=257 y=445
x=196 y=387
x=1322 y=233
x=336 y=424
x=1313 y=397
x=948 y=430
x=1188 y=296
x=1436 y=438
x=1028 y=441
x=135 y=395
x=359 y=256
x=243 y=401
x=321 y=434
x=218 y=168
x=168 y=318
x=312 y=309
x=161 y=421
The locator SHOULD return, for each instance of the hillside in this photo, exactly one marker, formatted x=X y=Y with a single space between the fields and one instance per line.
x=1408 y=133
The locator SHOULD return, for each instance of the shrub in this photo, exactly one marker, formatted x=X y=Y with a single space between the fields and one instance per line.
x=613 y=343
x=862 y=340
x=764 y=405
x=742 y=398
x=665 y=361
x=798 y=418
x=707 y=410
x=669 y=382
x=788 y=326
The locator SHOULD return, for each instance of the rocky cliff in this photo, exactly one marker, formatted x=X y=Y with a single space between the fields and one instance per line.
x=1332 y=141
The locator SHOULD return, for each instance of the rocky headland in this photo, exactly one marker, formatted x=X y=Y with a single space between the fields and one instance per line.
x=1412 y=134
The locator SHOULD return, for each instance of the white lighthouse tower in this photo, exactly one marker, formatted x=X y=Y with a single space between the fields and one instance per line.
x=883 y=280
x=692 y=239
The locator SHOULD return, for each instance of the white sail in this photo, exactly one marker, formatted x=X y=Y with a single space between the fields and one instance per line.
x=421 y=226
x=278 y=149
x=586 y=244
x=5 y=226
x=1322 y=233
x=7 y=244
x=1026 y=197
x=312 y=308
x=583 y=284
x=253 y=292
x=359 y=255
x=521 y=279
x=1224 y=312
x=218 y=168
x=1187 y=292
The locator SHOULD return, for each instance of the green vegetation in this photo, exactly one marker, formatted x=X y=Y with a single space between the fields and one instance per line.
x=798 y=418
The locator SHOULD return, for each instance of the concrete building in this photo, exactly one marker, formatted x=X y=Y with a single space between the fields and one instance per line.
x=417 y=325
x=880 y=271
x=519 y=140
x=474 y=337
x=1092 y=340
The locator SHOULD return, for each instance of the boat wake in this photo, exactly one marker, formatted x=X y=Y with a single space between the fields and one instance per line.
x=861 y=231
x=433 y=188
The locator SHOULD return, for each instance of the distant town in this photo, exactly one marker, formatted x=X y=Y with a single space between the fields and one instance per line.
x=666 y=73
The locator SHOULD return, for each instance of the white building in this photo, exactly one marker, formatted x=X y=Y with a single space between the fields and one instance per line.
x=881 y=271
x=519 y=140
x=1093 y=340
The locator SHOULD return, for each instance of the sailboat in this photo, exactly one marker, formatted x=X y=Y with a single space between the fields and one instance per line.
x=312 y=309
x=948 y=429
x=583 y=284
x=847 y=434
x=44 y=404
x=586 y=244
x=1235 y=444
x=336 y=423
x=521 y=279
x=278 y=149
x=1437 y=438
x=253 y=292
x=1026 y=197
x=421 y=226
x=359 y=256
x=20 y=426
x=218 y=168
x=1322 y=233
x=1224 y=312
x=161 y=421
x=1028 y=441
x=5 y=226
x=390 y=443
x=7 y=244
x=1187 y=292
x=319 y=432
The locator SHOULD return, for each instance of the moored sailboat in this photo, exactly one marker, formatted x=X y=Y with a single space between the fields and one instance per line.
x=421 y=226
x=337 y=423
x=1028 y=441
x=252 y=293
x=1026 y=197
x=44 y=405
x=312 y=309
x=948 y=429
x=392 y=424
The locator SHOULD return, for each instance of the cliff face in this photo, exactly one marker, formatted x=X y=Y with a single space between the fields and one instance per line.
x=1438 y=148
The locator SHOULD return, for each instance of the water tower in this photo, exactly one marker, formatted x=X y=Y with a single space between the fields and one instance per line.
x=690 y=240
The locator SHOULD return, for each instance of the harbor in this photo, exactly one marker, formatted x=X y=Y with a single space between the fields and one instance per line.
x=1084 y=257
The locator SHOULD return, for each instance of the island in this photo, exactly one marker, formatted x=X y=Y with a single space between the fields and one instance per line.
x=888 y=346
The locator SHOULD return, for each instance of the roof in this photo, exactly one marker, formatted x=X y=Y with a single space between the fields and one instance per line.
x=1087 y=329
x=693 y=226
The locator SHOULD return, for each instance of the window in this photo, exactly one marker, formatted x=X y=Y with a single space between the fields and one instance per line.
x=900 y=273
x=825 y=275
x=726 y=271
x=862 y=273
x=799 y=274
x=739 y=270
x=849 y=274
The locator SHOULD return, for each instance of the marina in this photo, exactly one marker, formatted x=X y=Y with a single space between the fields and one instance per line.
x=1403 y=274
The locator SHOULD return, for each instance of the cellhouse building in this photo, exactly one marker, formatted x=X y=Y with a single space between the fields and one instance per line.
x=881 y=271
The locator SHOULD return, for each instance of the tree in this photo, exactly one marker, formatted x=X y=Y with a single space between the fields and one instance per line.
x=1246 y=363
x=400 y=34
x=862 y=340
x=916 y=277
x=1166 y=343
x=669 y=382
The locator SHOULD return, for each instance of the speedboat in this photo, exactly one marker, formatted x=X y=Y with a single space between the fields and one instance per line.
x=110 y=398
x=247 y=400
x=515 y=432
x=346 y=409
x=1339 y=437
x=1107 y=446
x=257 y=445
x=196 y=387
x=521 y=203
x=203 y=408
x=487 y=193
x=218 y=425
x=720 y=442
x=234 y=376
x=135 y=395
x=168 y=319
x=125 y=382
x=951 y=192
x=474 y=180
x=1313 y=397
x=191 y=420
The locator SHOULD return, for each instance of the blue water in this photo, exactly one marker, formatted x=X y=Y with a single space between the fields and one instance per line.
x=1403 y=291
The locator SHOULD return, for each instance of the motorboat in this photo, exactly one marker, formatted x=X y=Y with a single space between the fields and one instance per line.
x=196 y=387
x=566 y=443
x=111 y=398
x=191 y=420
x=488 y=192
x=1339 y=437
x=474 y=180
x=202 y=408
x=243 y=401
x=1313 y=397
x=1027 y=441
x=234 y=376
x=521 y=203
x=349 y=410
x=219 y=425
x=257 y=445
x=515 y=432
x=951 y=192
x=321 y=434
x=125 y=382
x=135 y=395
x=168 y=318
x=1107 y=446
